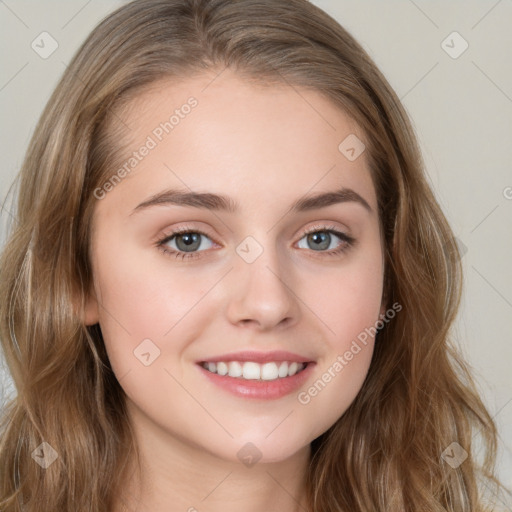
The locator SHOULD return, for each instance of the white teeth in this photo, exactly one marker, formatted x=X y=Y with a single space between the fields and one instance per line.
x=283 y=369
x=251 y=371
x=235 y=369
x=254 y=371
x=269 y=371
x=292 y=369
x=222 y=368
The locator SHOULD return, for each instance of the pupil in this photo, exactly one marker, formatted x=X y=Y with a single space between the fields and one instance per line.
x=322 y=237
x=188 y=239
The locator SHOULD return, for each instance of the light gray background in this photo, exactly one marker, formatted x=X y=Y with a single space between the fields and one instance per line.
x=461 y=109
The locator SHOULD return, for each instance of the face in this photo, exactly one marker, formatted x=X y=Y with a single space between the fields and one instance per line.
x=264 y=281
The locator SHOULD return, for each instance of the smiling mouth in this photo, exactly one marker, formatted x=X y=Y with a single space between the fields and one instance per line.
x=250 y=370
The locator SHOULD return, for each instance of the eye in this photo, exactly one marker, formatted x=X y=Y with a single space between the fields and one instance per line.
x=187 y=243
x=320 y=238
x=184 y=243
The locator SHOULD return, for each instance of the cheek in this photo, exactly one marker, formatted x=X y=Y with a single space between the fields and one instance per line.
x=146 y=299
x=149 y=315
x=348 y=299
x=349 y=306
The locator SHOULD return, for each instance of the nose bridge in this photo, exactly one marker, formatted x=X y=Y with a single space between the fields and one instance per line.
x=260 y=291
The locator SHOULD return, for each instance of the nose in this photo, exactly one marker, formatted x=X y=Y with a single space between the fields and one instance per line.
x=262 y=294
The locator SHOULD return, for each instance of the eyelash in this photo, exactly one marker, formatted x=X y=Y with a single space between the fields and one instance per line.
x=348 y=241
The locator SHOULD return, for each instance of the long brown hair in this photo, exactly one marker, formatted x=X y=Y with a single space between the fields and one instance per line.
x=385 y=452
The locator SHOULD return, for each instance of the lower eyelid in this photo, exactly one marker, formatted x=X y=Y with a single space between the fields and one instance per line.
x=346 y=243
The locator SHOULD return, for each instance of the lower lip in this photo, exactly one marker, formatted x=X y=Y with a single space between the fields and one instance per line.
x=261 y=389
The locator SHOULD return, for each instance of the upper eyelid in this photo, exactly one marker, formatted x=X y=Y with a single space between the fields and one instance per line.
x=182 y=230
x=189 y=229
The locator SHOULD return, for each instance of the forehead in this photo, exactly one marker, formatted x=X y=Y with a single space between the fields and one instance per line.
x=221 y=133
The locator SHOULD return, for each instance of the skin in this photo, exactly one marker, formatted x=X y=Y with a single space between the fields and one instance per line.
x=264 y=146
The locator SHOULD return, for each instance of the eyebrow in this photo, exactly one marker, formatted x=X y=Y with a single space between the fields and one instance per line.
x=217 y=202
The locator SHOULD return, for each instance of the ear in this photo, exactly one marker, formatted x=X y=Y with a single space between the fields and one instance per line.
x=91 y=310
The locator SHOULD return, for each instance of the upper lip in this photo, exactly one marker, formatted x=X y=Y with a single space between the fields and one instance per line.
x=258 y=357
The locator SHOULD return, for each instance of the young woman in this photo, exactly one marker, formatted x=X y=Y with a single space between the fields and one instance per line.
x=229 y=285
